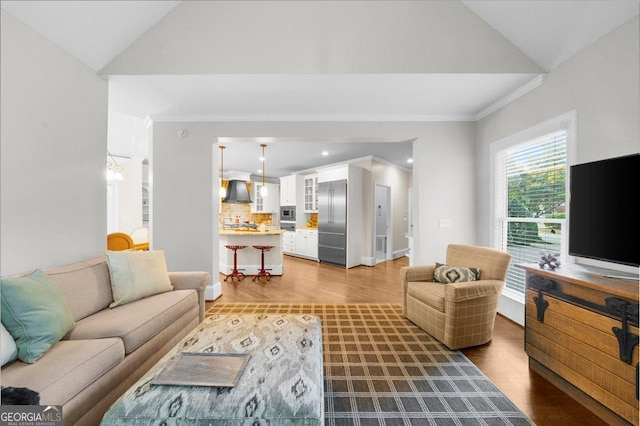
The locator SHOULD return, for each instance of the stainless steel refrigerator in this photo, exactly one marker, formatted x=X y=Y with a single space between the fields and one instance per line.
x=332 y=222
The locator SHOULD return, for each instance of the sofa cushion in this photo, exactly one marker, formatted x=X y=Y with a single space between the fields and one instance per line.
x=34 y=311
x=429 y=293
x=137 y=274
x=138 y=321
x=85 y=285
x=66 y=369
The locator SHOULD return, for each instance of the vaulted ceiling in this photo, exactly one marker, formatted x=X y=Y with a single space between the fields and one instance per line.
x=548 y=32
x=105 y=35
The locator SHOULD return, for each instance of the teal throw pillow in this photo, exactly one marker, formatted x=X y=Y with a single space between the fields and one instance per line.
x=455 y=274
x=35 y=313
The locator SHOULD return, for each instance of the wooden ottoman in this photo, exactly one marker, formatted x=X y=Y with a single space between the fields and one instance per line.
x=282 y=383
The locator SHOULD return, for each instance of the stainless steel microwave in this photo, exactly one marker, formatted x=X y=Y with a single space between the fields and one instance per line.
x=288 y=213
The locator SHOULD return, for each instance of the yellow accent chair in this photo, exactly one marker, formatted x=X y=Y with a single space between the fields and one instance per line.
x=458 y=314
x=119 y=241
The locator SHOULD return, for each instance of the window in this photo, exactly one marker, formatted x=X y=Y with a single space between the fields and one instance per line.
x=530 y=202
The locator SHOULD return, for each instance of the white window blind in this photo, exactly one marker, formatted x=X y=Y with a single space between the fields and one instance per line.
x=530 y=202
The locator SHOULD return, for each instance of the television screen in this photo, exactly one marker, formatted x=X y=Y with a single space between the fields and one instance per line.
x=604 y=223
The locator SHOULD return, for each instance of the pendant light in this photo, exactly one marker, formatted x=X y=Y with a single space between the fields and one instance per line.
x=263 y=189
x=222 y=191
x=114 y=170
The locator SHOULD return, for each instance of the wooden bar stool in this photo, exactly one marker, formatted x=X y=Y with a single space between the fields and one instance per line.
x=263 y=272
x=235 y=273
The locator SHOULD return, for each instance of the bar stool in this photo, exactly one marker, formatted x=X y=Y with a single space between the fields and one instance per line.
x=263 y=272
x=235 y=273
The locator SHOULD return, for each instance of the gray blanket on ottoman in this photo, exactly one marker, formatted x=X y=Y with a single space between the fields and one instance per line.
x=282 y=383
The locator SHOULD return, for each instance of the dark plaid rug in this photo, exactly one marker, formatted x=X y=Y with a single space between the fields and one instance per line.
x=381 y=369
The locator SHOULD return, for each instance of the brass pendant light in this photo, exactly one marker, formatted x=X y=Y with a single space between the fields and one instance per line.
x=222 y=191
x=263 y=189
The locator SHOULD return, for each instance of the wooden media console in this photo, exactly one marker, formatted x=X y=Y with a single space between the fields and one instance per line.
x=581 y=334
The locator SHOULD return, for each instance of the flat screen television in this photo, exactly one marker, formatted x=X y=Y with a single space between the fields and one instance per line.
x=604 y=222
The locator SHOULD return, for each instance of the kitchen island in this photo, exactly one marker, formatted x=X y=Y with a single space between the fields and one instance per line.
x=249 y=258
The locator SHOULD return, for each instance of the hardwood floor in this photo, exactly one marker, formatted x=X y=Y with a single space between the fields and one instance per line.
x=503 y=359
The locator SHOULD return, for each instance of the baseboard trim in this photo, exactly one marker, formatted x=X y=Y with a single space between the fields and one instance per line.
x=368 y=261
x=213 y=291
x=400 y=253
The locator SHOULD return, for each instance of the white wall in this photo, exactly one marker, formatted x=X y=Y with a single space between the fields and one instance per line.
x=444 y=167
x=53 y=131
x=184 y=211
x=127 y=136
x=602 y=84
x=284 y=37
x=181 y=189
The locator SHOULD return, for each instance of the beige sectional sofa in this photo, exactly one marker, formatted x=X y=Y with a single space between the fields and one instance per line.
x=109 y=349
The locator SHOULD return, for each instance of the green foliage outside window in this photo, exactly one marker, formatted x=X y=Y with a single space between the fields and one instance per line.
x=537 y=194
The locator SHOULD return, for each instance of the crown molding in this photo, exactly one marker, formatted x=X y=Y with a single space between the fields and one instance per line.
x=312 y=118
x=520 y=91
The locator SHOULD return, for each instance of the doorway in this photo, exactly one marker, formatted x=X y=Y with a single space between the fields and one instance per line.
x=112 y=207
x=382 y=215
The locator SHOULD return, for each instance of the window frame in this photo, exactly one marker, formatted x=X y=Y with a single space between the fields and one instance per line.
x=566 y=122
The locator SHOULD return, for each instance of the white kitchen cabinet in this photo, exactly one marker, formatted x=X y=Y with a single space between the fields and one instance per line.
x=311 y=193
x=307 y=243
x=289 y=242
x=291 y=190
x=268 y=204
x=288 y=190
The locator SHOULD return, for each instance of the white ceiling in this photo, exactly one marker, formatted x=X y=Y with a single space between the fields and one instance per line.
x=95 y=32
x=550 y=32
x=294 y=155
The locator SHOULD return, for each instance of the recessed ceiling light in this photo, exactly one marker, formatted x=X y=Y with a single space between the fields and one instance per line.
x=261 y=158
x=410 y=160
x=260 y=171
x=325 y=153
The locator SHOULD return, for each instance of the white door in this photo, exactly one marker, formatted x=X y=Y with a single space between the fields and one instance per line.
x=382 y=215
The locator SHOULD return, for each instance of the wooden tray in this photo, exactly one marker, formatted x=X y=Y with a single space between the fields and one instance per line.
x=203 y=369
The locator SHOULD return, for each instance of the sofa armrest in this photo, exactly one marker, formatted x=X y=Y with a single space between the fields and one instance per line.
x=196 y=280
x=460 y=292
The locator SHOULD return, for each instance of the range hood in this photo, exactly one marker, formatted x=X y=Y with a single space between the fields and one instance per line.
x=237 y=192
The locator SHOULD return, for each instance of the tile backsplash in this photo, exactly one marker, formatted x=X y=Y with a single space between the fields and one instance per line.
x=242 y=212
x=232 y=211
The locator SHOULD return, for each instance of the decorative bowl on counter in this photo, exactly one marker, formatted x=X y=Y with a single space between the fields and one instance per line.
x=239 y=226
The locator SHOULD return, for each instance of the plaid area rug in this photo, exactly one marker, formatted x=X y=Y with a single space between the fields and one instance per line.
x=381 y=369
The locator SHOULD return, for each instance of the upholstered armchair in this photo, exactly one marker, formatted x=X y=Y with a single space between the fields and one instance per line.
x=458 y=314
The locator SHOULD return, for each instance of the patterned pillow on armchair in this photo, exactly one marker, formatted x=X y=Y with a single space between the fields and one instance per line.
x=454 y=274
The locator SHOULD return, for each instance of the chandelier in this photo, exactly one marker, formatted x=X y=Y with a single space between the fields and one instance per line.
x=114 y=170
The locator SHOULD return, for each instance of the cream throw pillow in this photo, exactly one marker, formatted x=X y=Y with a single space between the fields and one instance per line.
x=137 y=274
x=8 y=348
